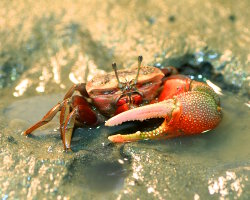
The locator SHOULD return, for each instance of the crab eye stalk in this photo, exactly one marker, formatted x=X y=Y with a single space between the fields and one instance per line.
x=116 y=74
x=140 y=58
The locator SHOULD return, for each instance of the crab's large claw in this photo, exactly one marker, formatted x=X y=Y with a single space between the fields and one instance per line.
x=188 y=113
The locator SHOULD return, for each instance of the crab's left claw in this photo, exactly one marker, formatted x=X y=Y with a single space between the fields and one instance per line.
x=189 y=113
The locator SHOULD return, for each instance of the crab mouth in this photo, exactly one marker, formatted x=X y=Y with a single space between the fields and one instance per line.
x=128 y=97
x=157 y=110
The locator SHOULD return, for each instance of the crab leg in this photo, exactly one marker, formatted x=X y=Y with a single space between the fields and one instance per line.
x=81 y=113
x=65 y=110
x=68 y=129
x=80 y=87
x=60 y=106
x=47 y=118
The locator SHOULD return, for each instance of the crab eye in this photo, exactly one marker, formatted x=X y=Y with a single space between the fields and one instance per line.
x=146 y=84
x=104 y=92
x=108 y=92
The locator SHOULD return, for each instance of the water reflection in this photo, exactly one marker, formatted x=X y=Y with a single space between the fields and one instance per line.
x=21 y=87
x=97 y=173
x=230 y=183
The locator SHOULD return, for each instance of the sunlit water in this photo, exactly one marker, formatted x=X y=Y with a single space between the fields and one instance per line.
x=215 y=163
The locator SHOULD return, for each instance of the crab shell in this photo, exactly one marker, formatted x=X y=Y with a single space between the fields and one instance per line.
x=104 y=90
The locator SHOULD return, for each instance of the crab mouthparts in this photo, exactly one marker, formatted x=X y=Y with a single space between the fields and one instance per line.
x=158 y=110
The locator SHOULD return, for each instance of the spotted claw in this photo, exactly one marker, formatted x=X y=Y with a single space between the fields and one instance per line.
x=188 y=113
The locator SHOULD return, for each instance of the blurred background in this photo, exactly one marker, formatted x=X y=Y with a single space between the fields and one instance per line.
x=45 y=47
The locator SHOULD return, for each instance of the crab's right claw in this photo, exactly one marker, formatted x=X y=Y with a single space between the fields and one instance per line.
x=188 y=113
x=163 y=109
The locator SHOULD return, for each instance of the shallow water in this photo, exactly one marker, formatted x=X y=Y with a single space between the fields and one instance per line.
x=214 y=164
x=44 y=50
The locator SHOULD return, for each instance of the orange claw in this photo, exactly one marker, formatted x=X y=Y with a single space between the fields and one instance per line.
x=195 y=111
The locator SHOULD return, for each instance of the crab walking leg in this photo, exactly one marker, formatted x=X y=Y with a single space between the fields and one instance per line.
x=65 y=110
x=47 y=118
x=80 y=87
x=68 y=129
x=80 y=114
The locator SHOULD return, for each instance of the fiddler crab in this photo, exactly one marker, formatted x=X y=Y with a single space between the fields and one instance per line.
x=188 y=106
